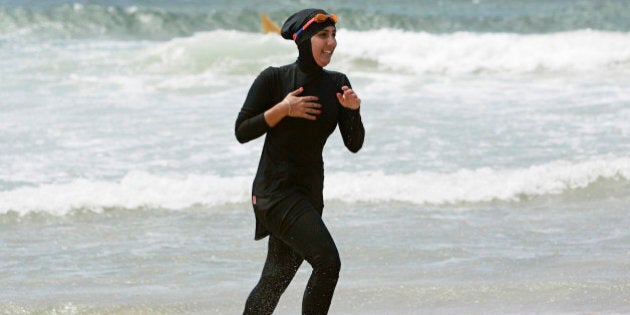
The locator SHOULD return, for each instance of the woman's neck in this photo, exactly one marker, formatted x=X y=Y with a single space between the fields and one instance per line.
x=305 y=60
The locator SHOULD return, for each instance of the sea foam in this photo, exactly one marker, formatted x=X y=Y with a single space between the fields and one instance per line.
x=403 y=52
x=176 y=192
x=474 y=53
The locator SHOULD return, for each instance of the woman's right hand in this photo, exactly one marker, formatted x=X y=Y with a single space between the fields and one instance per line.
x=302 y=106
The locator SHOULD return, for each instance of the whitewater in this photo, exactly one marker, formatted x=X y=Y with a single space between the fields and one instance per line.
x=494 y=177
x=141 y=190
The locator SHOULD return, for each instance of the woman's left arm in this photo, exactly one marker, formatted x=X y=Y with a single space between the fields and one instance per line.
x=350 y=124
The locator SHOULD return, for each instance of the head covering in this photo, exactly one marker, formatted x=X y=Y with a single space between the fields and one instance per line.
x=303 y=41
x=298 y=19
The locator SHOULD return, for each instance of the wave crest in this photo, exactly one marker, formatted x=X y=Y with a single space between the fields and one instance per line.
x=403 y=52
x=183 y=19
x=143 y=190
x=91 y=20
x=480 y=185
x=475 y=53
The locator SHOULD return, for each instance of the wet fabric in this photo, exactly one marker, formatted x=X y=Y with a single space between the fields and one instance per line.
x=297 y=233
x=287 y=190
x=291 y=159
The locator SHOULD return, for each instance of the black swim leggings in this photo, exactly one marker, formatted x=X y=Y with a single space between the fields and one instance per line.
x=297 y=233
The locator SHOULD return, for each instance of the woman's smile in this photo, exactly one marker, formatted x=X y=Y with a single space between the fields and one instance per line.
x=323 y=45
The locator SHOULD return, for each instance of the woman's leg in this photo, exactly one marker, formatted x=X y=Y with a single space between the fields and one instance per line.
x=297 y=233
x=309 y=236
x=281 y=265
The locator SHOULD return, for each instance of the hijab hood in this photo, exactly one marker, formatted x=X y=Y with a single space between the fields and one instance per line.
x=295 y=22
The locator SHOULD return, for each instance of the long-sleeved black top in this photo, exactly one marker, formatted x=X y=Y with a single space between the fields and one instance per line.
x=291 y=159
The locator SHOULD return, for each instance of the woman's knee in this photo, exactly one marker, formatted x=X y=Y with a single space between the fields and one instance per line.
x=333 y=264
x=327 y=261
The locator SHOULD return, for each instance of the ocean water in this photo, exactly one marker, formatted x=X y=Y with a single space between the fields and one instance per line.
x=494 y=179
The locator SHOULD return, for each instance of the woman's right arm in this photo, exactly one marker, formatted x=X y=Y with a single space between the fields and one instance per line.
x=258 y=115
x=250 y=123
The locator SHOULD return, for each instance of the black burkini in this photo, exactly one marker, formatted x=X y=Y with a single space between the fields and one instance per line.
x=287 y=190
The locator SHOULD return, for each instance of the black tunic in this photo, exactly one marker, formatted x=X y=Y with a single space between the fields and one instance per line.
x=291 y=160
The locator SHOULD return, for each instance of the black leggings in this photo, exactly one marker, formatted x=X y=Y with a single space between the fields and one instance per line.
x=297 y=233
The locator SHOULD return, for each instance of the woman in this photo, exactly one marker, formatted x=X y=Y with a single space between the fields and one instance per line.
x=298 y=106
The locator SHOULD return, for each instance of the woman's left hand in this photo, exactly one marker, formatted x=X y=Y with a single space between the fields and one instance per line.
x=348 y=99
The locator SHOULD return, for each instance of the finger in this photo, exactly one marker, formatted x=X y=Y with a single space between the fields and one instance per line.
x=297 y=92
x=312 y=105
x=344 y=88
x=309 y=117
x=351 y=97
x=340 y=98
x=309 y=98
x=313 y=111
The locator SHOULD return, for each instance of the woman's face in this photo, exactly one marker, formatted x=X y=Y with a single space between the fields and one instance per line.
x=323 y=44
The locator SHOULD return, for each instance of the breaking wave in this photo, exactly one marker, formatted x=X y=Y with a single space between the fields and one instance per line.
x=150 y=21
x=144 y=190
